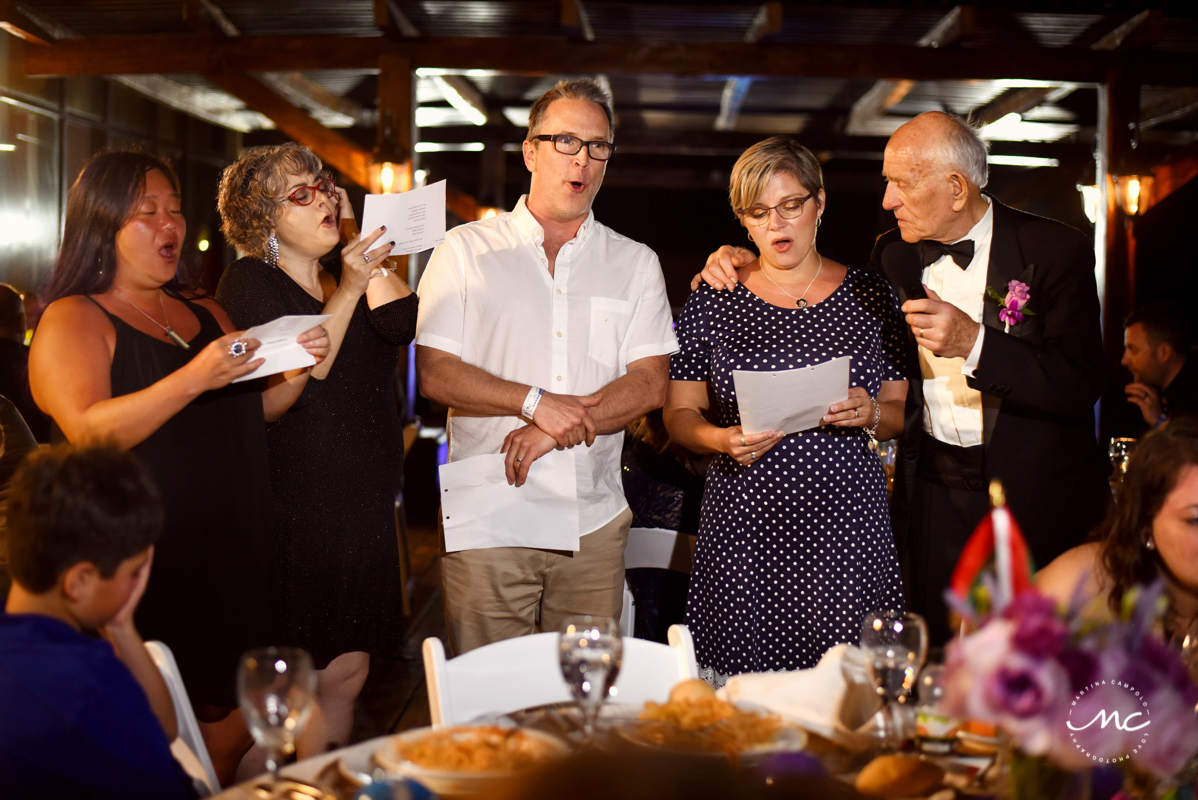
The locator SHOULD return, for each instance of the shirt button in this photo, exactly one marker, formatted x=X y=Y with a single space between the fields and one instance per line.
x=559 y=377
x=542 y=261
x=559 y=334
x=559 y=291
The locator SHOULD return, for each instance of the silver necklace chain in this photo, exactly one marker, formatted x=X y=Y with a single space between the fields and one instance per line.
x=799 y=301
x=166 y=329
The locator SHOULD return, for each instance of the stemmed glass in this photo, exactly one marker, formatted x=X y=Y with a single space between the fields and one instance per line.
x=276 y=686
x=1119 y=450
x=590 y=650
x=895 y=645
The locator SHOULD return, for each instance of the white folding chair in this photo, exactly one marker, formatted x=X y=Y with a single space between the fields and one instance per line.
x=189 y=748
x=525 y=672
x=653 y=547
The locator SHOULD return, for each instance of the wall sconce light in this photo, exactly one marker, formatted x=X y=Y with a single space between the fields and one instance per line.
x=1134 y=193
x=390 y=168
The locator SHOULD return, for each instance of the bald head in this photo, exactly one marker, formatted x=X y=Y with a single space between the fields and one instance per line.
x=935 y=168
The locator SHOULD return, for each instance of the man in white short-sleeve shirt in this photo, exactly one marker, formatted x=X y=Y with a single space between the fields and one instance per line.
x=543 y=329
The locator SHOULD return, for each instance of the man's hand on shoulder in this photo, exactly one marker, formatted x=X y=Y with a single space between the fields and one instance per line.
x=720 y=270
x=522 y=447
x=1148 y=398
x=566 y=418
x=941 y=327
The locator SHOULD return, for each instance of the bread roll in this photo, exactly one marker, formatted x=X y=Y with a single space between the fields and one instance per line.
x=899 y=776
x=690 y=690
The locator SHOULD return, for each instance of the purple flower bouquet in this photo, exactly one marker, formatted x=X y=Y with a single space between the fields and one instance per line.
x=1077 y=693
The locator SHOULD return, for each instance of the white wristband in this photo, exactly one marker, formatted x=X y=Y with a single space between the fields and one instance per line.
x=531 y=401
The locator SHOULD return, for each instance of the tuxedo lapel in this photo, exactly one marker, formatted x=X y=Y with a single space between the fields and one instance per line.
x=1006 y=265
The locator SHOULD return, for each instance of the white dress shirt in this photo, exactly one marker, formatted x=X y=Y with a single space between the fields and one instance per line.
x=487 y=297
x=952 y=410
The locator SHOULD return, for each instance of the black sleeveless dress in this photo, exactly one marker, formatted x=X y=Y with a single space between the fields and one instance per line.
x=215 y=589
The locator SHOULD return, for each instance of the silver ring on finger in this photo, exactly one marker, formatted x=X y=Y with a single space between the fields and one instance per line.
x=519 y=459
x=742 y=440
x=752 y=456
x=237 y=349
x=856 y=413
x=366 y=258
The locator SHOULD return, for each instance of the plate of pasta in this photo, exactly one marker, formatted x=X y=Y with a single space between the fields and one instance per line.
x=695 y=721
x=467 y=759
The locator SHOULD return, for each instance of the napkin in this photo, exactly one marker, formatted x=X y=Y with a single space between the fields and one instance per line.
x=835 y=698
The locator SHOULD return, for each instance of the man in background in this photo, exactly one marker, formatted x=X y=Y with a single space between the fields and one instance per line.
x=1156 y=348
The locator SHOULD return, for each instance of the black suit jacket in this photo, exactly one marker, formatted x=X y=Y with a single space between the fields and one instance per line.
x=1039 y=381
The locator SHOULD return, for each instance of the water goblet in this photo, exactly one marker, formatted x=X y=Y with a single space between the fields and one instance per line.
x=896 y=646
x=276 y=687
x=590 y=649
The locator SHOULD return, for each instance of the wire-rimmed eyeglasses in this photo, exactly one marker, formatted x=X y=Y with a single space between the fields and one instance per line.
x=790 y=208
x=304 y=195
x=569 y=145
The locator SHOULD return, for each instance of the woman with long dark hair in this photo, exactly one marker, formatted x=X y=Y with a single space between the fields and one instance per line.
x=336 y=458
x=1151 y=532
x=124 y=353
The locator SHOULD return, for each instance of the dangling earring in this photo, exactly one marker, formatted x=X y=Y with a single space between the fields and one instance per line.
x=818 y=220
x=272 y=251
x=749 y=236
x=1150 y=543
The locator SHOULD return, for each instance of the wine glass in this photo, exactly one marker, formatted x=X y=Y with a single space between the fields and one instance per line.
x=276 y=686
x=590 y=649
x=895 y=645
x=1119 y=450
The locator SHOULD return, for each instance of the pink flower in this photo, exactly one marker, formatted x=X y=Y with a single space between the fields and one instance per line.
x=1017 y=295
x=1010 y=317
x=1030 y=696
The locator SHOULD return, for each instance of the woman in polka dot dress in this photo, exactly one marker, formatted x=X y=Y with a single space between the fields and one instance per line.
x=795 y=544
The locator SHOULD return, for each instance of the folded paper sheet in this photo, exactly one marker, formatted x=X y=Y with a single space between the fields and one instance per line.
x=279 y=347
x=480 y=509
x=415 y=220
x=791 y=400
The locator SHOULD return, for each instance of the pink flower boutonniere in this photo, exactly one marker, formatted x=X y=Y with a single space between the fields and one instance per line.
x=1014 y=305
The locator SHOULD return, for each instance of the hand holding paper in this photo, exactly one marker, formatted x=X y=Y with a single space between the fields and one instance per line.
x=791 y=400
x=279 y=347
x=415 y=220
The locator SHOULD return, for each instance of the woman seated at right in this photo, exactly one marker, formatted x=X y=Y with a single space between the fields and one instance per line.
x=795 y=544
x=1151 y=532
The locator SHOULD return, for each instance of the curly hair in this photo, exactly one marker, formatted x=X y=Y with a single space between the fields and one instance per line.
x=102 y=199
x=249 y=190
x=1152 y=473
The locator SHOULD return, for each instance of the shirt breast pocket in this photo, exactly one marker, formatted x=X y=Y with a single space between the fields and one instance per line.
x=610 y=319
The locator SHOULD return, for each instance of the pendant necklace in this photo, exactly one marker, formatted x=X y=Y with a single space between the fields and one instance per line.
x=166 y=329
x=799 y=301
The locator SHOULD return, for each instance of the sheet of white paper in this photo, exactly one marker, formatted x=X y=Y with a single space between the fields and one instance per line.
x=279 y=347
x=415 y=220
x=480 y=509
x=791 y=400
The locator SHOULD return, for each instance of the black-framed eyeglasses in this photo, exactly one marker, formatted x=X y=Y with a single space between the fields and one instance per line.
x=790 y=208
x=569 y=145
x=304 y=195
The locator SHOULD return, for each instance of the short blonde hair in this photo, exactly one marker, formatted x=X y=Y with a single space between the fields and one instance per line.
x=249 y=190
x=758 y=165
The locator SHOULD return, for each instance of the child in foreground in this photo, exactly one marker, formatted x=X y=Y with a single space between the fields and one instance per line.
x=82 y=716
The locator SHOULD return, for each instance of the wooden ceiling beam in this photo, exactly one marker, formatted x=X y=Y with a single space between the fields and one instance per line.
x=349 y=159
x=534 y=55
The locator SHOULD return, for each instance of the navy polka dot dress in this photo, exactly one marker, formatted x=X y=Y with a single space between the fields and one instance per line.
x=795 y=549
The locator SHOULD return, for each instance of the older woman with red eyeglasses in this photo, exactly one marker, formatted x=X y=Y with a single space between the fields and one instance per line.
x=337 y=456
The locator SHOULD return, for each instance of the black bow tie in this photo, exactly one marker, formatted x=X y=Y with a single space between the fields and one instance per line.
x=930 y=251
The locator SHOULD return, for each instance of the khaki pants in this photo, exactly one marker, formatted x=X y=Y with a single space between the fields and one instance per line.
x=502 y=592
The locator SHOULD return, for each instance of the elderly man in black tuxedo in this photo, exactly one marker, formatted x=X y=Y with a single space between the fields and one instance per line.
x=1003 y=318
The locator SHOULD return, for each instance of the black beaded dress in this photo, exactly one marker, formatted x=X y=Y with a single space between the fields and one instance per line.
x=794 y=549
x=215 y=588
x=336 y=460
